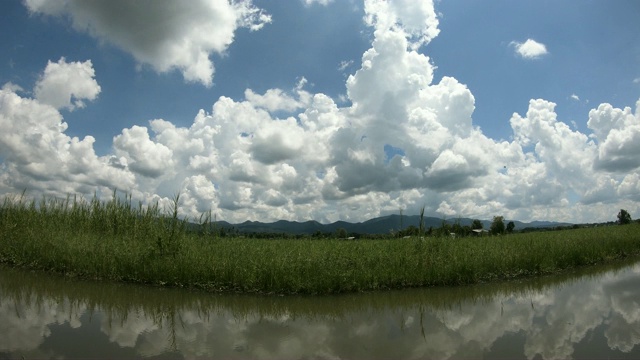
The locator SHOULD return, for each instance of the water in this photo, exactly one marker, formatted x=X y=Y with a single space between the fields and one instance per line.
x=593 y=314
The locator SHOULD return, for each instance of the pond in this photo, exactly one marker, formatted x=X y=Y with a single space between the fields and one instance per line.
x=593 y=313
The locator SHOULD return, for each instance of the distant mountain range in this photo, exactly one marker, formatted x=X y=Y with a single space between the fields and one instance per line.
x=379 y=225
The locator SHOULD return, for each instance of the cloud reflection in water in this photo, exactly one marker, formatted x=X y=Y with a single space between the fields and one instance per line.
x=577 y=315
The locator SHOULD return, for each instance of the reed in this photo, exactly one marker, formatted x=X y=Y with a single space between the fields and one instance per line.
x=119 y=241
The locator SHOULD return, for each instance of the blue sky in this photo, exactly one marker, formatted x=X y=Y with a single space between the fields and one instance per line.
x=425 y=121
x=594 y=53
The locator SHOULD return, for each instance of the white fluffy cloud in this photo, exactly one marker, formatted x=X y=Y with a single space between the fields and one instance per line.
x=36 y=152
x=277 y=100
x=164 y=34
x=65 y=85
x=618 y=133
x=530 y=49
x=416 y=19
x=143 y=156
x=326 y=162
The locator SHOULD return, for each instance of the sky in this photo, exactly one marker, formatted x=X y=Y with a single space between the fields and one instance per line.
x=326 y=110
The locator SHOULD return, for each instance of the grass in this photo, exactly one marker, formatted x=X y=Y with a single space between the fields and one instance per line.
x=117 y=241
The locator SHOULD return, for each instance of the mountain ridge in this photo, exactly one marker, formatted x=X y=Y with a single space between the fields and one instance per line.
x=379 y=225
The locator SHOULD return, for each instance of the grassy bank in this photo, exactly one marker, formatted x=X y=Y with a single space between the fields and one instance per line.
x=119 y=241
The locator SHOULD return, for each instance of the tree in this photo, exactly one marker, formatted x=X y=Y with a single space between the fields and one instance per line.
x=510 y=227
x=457 y=228
x=476 y=224
x=341 y=233
x=497 y=226
x=624 y=217
x=411 y=230
x=445 y=229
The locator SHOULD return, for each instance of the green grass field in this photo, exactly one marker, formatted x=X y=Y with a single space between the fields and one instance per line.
x=117 y=241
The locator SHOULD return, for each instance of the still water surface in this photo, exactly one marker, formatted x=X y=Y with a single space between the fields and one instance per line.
x=592 y=314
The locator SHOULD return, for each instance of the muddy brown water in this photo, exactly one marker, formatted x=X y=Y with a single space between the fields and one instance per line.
x=591 y=313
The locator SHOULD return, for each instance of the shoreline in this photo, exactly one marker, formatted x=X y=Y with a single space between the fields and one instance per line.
x=331 y=266
x=71 y=276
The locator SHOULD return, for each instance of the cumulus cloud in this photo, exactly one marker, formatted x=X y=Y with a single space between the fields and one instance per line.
x=530 y=49
x=415 y=19
x=166 y=35
x=618 y=134
x=275 y=100
x=37 y=154
x=564 y=152
x=143 y=156
x=65 y=85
